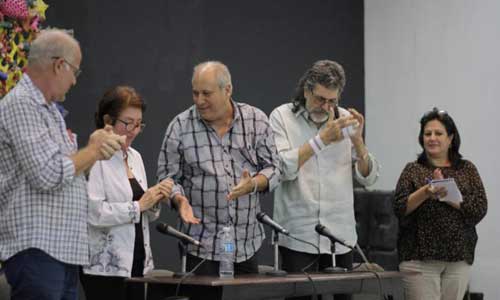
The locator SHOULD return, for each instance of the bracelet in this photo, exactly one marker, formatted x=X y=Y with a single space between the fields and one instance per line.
x=255 y=186
x=364 y=157
x=316 y=144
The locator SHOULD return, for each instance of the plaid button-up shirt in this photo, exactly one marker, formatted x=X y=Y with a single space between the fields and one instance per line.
x=42 y=203
x=206 y=167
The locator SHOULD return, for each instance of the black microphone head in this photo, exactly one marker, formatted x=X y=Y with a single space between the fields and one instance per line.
x=319 y=228
x=162 y=227
x=260 y=216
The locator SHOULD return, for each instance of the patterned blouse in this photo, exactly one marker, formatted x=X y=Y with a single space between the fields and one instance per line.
x=436 y=230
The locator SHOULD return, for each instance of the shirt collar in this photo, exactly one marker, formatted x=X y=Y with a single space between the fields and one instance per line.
x=302 y=111
x=305 y=114
x=39 y=97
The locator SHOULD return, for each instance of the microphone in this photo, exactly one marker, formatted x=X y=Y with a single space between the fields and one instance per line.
x=169 y=230
x=265 y=219
x=322 y=230
x=336 y=111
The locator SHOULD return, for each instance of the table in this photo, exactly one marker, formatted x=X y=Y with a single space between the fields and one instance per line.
x=258 y=286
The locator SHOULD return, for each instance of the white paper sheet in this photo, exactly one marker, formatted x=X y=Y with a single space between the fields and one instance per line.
x=453 y=193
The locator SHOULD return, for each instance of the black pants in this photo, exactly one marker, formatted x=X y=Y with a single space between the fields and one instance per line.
x=112 y=287
x=294 y=261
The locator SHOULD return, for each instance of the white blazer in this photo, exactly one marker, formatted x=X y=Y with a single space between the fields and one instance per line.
x=113 y=214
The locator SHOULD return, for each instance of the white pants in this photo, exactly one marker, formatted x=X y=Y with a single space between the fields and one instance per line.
x=440 y=280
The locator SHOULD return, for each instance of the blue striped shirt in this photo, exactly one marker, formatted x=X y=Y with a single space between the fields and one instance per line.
x=42 y=203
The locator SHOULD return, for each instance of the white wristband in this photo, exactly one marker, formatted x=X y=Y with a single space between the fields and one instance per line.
x=316 y=144
x=318 y=140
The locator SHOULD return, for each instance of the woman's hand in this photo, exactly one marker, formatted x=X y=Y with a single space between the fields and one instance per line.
x=150 y=198
x=433 y=191
x=166 y=187
x=437 y=174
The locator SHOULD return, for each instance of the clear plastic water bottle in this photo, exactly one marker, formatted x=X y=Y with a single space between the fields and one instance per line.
x=226 y=264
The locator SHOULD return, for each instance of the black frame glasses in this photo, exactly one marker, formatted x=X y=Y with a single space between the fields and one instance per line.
x=320 y=100
x=131 y=126
x=76 y=71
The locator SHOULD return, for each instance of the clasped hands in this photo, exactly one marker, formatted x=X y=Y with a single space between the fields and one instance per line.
x=105 y=143
x=156 y=193
x=436 y=192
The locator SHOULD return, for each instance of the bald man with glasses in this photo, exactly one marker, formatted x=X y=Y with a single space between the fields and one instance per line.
x=43 y=191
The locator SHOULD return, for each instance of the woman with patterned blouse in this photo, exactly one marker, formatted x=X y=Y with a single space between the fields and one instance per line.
x=120 y=205
x=438 y=238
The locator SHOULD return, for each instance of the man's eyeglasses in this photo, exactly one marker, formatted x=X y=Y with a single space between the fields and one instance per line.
x=321 y=100
x=131 y=126
x=76 y=71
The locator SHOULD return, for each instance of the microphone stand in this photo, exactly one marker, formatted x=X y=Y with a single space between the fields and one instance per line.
x=183 y=253
x=334 y=268
x=276 y=272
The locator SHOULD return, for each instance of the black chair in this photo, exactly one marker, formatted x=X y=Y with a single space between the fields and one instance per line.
x=377 y=227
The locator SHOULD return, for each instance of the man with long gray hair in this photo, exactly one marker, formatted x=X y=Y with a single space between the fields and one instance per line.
x=43 y=192
x=320 y=145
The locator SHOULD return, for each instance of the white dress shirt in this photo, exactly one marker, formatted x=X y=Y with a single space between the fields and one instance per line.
x=321 y=191
x=113 y=214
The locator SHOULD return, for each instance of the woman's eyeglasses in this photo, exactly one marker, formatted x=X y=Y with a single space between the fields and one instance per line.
x=131 y=126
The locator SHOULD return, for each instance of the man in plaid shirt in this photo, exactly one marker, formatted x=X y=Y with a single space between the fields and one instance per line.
x=221 y=155
x=43 y=193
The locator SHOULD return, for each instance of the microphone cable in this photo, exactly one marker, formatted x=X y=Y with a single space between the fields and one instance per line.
x=361 y=253
x=187 y=275
x=382 y=296
x=315 y=260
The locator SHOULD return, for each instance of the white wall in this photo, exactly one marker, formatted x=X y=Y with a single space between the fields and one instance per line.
x=444 y=53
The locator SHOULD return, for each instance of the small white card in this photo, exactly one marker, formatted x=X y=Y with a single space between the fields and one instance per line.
x=453 y=193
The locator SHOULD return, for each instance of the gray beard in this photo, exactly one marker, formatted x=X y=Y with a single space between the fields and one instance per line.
x=318 y=121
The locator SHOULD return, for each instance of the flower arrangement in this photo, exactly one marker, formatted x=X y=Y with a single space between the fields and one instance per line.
x=19 y=23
